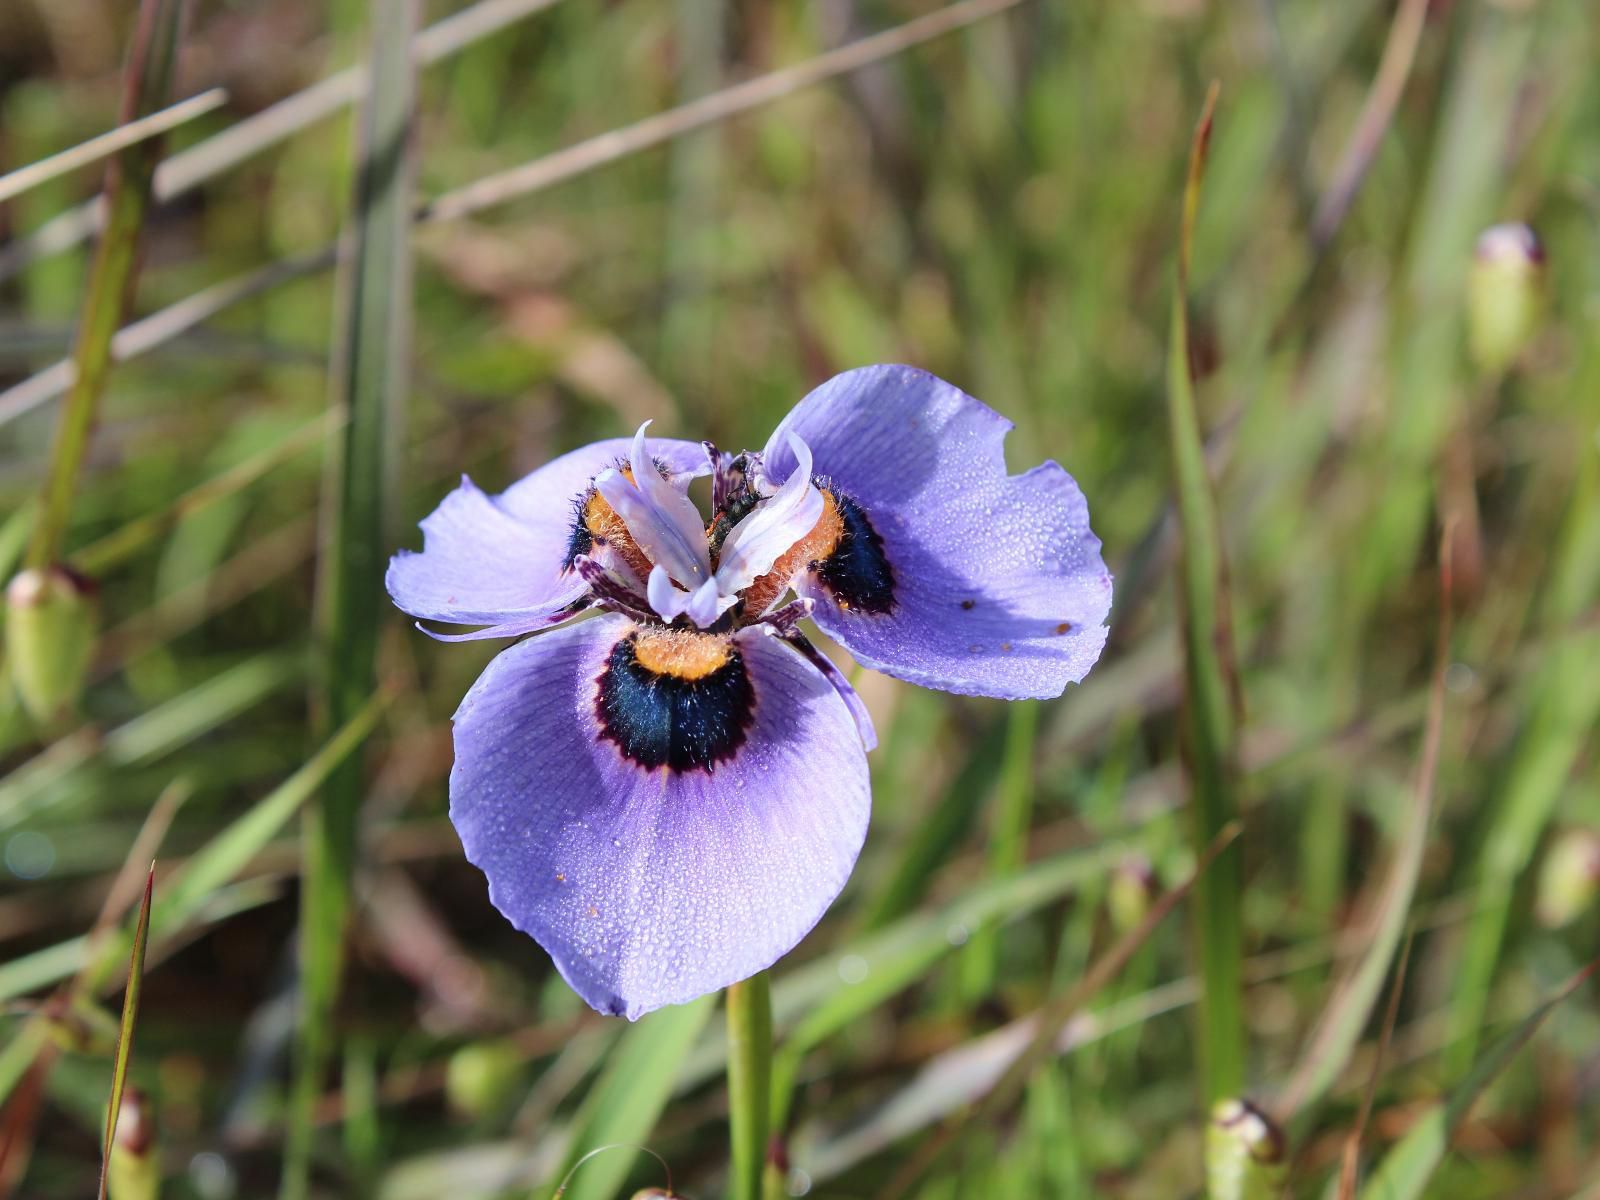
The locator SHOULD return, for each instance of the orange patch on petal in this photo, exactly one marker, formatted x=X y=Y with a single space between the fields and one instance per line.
x=813 y=547
x=609 y=529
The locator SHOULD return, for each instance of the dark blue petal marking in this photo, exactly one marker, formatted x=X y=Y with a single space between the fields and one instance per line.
x=857 y=572
x=682 y=721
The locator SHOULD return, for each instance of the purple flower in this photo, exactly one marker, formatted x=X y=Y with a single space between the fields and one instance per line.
x=670 y=794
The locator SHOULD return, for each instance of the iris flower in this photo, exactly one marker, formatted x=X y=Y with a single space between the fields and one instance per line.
x=667 y=786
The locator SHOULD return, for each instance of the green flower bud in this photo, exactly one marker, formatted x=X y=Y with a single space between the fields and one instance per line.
x=134 y=1172
x=1570 y=878
x=1244 y=1154
x=1129 y=892
x=480 y=1077
x=1505 y=296
x=50 y=632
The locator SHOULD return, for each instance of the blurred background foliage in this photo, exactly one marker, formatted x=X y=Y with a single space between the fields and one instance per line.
x=999 y=206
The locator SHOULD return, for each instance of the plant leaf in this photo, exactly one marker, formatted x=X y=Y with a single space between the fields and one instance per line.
x=130 y=1016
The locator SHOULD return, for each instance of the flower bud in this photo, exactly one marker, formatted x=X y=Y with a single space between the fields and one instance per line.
x=480 y=1076
x=1129 y=892
x=134 y=1172
x=50 y=631
x=1570 y=878
x=1505 y=296
x=1244 y=1154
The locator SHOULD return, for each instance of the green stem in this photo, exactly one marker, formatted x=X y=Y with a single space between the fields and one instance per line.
x=111 y=277
x=749 y=1006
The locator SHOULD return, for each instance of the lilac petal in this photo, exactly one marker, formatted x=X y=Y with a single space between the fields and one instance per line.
x=998 y=584
x=661 y=519
x=511 y=629
x=501 y=560
x=652 y=886
x=668 y=600
x=777 y=523
x=706 y=605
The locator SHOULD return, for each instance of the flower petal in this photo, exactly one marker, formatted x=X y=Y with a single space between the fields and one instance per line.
x=652 y=885
x=775 y=524
x=985 y=583
x=663 y=521
x=503 y=560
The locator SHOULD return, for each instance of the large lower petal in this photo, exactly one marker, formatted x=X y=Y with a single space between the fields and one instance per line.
x=654 y=884
x=951 y=572
x=506 y=560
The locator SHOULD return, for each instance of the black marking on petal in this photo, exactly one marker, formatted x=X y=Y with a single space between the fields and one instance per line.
x=661 y=719
x=581 y=540
x=857 y=572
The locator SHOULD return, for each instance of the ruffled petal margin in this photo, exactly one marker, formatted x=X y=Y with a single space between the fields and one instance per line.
x=651 y=886
x=998 y=586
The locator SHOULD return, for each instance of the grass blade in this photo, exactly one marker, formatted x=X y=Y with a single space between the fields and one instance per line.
x=1340 y=1026
x=188 y=169
x=207 y=871
x=1210 y=717
x=111 y=278
x=1054 y=1017
x=130 y=1015
x=544 y=172
x=626 y=1101
x=120 y=138
x=1406 y=1169
x=370 y=383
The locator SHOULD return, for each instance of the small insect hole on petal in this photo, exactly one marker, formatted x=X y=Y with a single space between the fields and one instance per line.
x=969 y=605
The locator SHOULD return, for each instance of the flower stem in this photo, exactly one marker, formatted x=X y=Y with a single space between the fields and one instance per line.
x=112 y=274
x=749 y=1007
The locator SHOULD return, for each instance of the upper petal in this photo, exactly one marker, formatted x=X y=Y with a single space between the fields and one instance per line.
x=654 y=884
x=973 y=580
x=503 y=560
x=779 y=521
x=660 y=518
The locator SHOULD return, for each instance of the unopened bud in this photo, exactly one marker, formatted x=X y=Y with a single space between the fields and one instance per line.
x=1129 y=892
x=1570 y=879
x=480 y=1076
x=1244 y=1154
x=1505 y=296
x=134 y=1172
x=50 y=630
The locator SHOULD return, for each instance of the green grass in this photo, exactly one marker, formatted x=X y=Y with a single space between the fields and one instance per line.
x=1002 y=205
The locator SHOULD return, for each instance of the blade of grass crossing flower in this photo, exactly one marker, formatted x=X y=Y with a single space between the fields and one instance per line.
x=1406 y=1170
x=1008 y=842
x=1340 y=1026
x=627 y=1100
x=749 y=1005
x=109 y=291
x=130 y=1016
x=1210 y=710
x=370 y=383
